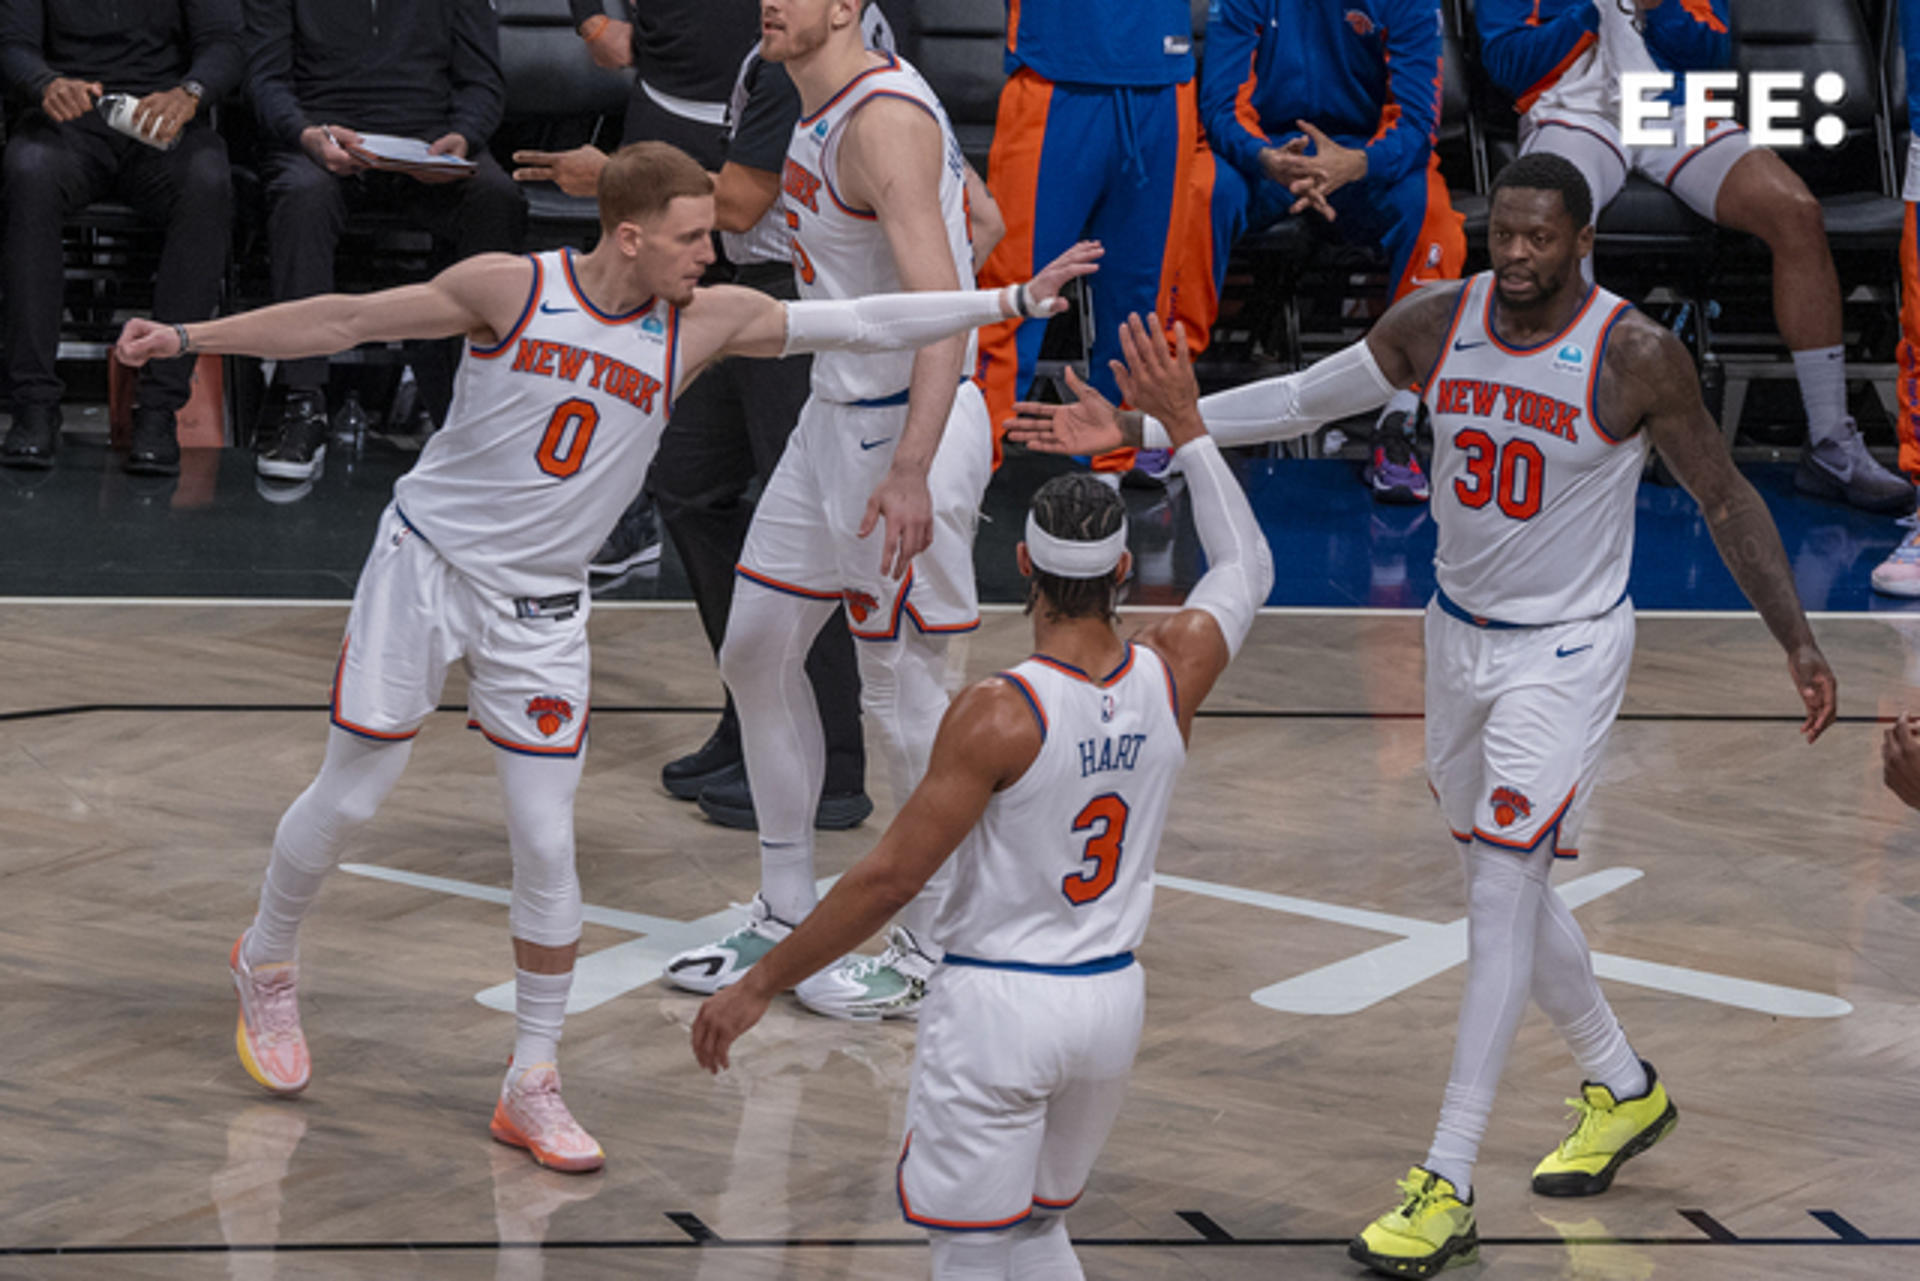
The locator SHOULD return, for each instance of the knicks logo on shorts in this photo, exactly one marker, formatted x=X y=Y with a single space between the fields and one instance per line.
x=860 y=604
x=1509 y=805
x=549 y=713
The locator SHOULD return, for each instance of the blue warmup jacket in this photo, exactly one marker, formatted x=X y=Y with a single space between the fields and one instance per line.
x=1140 y=43
x=1367 y=72
x=1527 y=45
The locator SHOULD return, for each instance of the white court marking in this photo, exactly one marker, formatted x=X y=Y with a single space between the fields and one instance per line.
x=1424 y=949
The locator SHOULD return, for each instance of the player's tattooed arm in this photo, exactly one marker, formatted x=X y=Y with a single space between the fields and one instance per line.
x=1406 y=341
x=1649 y=383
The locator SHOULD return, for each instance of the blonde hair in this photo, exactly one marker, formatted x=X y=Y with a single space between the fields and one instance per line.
x=643 y=178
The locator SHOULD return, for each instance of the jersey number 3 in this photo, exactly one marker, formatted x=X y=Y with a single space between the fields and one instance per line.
x=563 y=447
x=1108 y=813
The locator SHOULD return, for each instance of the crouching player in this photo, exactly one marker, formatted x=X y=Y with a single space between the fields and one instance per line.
x=1052 y=781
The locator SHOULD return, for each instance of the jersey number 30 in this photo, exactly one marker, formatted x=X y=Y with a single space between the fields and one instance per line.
x=564 y=445
x=1522 y=473
x=1106 y=812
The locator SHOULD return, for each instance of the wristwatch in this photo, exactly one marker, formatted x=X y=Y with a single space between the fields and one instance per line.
x=194 y=89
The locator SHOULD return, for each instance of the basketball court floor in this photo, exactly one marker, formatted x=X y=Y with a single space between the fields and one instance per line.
x=1754 y=905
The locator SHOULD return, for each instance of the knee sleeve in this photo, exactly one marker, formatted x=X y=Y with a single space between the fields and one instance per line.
x=903 y=689
x=763 y=659
x=354 y=780
x=538 y=791
x=1042 y=1252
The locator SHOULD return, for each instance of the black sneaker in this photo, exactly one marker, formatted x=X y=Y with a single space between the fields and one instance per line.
x=688 y=776
x=154 y=449
x=33 y=439
x=635 y=541
x=301 y=445
x=729 y=803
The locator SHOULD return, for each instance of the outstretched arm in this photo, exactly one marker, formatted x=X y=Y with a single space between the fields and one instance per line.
x=482 y=297
x=1648 y=369
x=986 y=741
x=1199 y=641
x=1397 y=353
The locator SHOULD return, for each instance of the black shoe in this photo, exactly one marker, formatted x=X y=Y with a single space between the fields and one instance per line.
x=33 y=438
x=688 y=776
x=1393 y=469
x=300 y=445
x=634 y=541
x=729 y=803
x=155 y=447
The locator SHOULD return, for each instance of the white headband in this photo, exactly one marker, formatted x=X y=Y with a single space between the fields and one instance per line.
x=1070 y=559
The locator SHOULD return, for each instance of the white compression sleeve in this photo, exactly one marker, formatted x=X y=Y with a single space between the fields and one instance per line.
x=1348 y=382
x=893 y=322
x=1239 y=565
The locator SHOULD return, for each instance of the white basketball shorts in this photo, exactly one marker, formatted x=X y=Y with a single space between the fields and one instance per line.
x=1017 y=1080
x=414 y=615
x=805 y=533
x=1517 y=723
x=1592 y=143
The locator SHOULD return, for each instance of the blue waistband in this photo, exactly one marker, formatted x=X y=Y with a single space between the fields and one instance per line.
x=1448 y=606
x=412 y=528
x=884 y=402
x=1099 y=965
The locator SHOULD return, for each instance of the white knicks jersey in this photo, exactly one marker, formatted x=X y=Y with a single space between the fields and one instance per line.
x=1059 y=869
x=1591 y=86
x=839 y=251
x=549 y=438
x=1533 y=498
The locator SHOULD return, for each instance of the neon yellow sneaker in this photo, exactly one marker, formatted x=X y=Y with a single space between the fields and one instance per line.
x=1606 y=1134
x=1432 y=1229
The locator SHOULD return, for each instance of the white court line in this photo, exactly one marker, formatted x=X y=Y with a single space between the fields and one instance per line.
x=1424 y=950
x=672 y=606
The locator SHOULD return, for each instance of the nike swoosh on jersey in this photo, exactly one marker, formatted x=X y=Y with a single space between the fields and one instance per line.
x=546 y=310
x=875 y=444
x=1462 y=345
x=1563 y=652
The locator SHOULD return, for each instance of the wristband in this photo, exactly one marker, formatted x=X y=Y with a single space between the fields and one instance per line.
x=590 y=29
x=180 y=332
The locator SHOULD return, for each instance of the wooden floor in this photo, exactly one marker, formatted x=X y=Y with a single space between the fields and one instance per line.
x=147 y=751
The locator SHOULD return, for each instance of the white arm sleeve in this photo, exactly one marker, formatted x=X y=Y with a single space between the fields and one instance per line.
x=1239 y=565
x=891 y=322
x=1347 y=382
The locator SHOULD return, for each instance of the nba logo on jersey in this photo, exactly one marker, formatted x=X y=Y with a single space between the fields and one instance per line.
x=1106 y=707
x=548 y=713
x=1570 y=359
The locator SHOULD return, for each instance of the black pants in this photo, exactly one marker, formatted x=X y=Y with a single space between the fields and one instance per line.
x=729 y=427
x=53 y=171
x=308 y=207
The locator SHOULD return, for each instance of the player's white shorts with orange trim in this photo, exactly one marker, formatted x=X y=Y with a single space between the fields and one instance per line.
x=414 y=616
x=1517 y=723
x=805 y=533
x=1017 y=1080
x=1592 y=143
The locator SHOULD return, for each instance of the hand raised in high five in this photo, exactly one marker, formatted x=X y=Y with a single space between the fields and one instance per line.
x=1088 y=424
x=1157 y=377
x=1043 y=291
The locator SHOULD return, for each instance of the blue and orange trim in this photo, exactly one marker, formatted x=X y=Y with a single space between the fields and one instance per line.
x=1593 y=291
x=945 y=1225
x=580 y=296
x=333 y=705
x=775 y=584
x=1033 y=699
x=526 y=314
x=535 y=749
x=1126 y=665
x=1549 y=829
x=1593 y=377
x=891 y=64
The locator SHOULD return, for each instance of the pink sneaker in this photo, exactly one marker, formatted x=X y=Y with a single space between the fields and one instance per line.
x=272 y=1048
x=531 y=1115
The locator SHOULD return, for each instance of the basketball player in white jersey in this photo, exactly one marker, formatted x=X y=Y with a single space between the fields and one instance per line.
x=1046 y=795
x=573 y=363
x=874 y=194
x=1546 y=394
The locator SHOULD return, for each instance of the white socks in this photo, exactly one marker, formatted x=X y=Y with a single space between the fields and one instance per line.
x=1822 y=372
x=539 y=1010
x=354 y=779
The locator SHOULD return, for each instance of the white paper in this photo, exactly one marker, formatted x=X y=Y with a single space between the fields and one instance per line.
x=407 y=151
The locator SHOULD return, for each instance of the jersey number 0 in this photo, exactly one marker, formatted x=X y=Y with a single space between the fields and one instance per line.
x=1108 y=813
x=563 y=447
